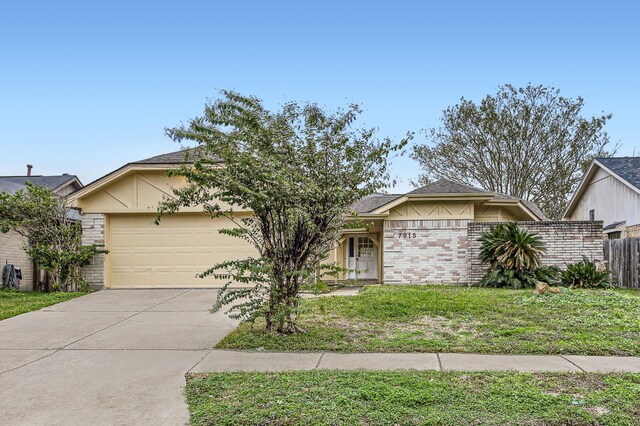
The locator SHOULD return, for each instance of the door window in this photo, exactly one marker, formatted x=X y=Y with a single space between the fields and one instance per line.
x=365 y=247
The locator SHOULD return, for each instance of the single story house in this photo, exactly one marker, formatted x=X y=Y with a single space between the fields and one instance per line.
x=417 y=237
x=609 y=191
x=12 y=243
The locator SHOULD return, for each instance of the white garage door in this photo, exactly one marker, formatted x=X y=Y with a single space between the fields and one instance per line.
x=145 y=255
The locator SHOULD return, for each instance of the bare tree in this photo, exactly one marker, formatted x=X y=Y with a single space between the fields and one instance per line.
x=527 y=142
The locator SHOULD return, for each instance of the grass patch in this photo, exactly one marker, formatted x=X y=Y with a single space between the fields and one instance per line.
x=407 y=398
x=14 y=302
x=460 y=319
x=316 y=288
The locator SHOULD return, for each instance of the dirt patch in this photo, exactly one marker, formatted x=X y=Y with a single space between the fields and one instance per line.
x=598 y=411
x=427 y=327
x=445 y=326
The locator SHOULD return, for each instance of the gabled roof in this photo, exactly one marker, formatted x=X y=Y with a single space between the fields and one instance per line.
x=164 y=161
x=445 y=186
x=614 y=225
x=530 y=204
x=625 y=169
x=13 y=184
x=442 y=187
x=373 y=201
x=628 y=168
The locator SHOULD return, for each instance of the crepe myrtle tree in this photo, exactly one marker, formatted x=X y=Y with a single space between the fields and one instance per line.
x=55 y=240
x=529 y=142
x=297 y=170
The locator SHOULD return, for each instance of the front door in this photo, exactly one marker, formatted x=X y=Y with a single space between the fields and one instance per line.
x=362 y=258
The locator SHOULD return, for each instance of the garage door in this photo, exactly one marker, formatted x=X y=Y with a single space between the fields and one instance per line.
x=145 y=255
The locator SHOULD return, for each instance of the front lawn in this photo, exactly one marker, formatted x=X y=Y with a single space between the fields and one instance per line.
x=14 y=302
x=460 y=319
x=444 y=398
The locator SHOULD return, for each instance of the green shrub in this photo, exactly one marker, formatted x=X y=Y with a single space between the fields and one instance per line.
x=498 y=278
x=585 y=274
x=316 y=287
x=513 y=255
x=507 y=246
x=551 y=275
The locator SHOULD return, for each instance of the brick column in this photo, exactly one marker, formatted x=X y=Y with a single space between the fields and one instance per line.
x=93 y=233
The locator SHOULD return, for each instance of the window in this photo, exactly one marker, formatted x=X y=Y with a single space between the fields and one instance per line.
x=365 y=247
x=592 y=214
x=614 y=235
x=351 y=249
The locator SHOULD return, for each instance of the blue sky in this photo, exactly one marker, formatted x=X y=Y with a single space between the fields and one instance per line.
x=86 y=87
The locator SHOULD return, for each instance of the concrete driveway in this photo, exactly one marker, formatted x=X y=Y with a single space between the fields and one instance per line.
x=113 y=357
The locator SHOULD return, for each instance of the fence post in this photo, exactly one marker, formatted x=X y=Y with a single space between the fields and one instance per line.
x=622 y=257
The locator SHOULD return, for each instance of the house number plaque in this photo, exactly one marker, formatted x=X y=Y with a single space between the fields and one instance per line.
x=407 y=235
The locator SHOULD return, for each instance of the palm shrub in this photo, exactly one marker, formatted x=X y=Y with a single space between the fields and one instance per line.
x=513 y=255
x=585 y=274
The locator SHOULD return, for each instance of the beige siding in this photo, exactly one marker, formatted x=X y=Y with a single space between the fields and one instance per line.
x=145 y=255
x=456 y=210
x=611 y=199
x=68 y=189
x=135 y=192
x=495 y=214
x=432 y=210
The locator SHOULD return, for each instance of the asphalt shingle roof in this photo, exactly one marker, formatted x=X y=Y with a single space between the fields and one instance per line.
x=445 y=186
x=614 y=225
x=177 y=157
x=12 y=184
x=373 y=201
x=628 y=168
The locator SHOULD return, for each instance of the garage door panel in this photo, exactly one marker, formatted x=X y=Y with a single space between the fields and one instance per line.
x=145 y=255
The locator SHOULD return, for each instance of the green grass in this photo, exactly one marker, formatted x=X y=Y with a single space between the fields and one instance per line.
x=408 y=398
x=14 y=303
x=459 y=319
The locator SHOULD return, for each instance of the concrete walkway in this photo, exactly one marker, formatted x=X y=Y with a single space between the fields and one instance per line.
x=345 y=291
x=221 y=361
x=116 y=357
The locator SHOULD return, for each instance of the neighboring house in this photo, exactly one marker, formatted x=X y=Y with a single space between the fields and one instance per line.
x=416 y=237
x=609 y=191
x=12 y=243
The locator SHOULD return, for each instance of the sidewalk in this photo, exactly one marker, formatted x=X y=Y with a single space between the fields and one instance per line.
x=224 y=361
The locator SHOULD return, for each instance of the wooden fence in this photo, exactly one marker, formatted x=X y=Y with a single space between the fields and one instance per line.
x=622 y=257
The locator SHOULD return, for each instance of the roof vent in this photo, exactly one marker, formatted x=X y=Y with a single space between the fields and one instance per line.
x=29 y=167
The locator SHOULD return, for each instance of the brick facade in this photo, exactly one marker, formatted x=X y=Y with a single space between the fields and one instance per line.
x=567 y=242
x=425 y=251
x=93 y=233
x=633 y=231
x=11 y=250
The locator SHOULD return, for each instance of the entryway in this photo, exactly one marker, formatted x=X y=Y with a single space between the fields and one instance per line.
x=361 y=257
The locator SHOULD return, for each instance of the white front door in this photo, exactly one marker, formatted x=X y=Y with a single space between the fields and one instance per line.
x=362 y=258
